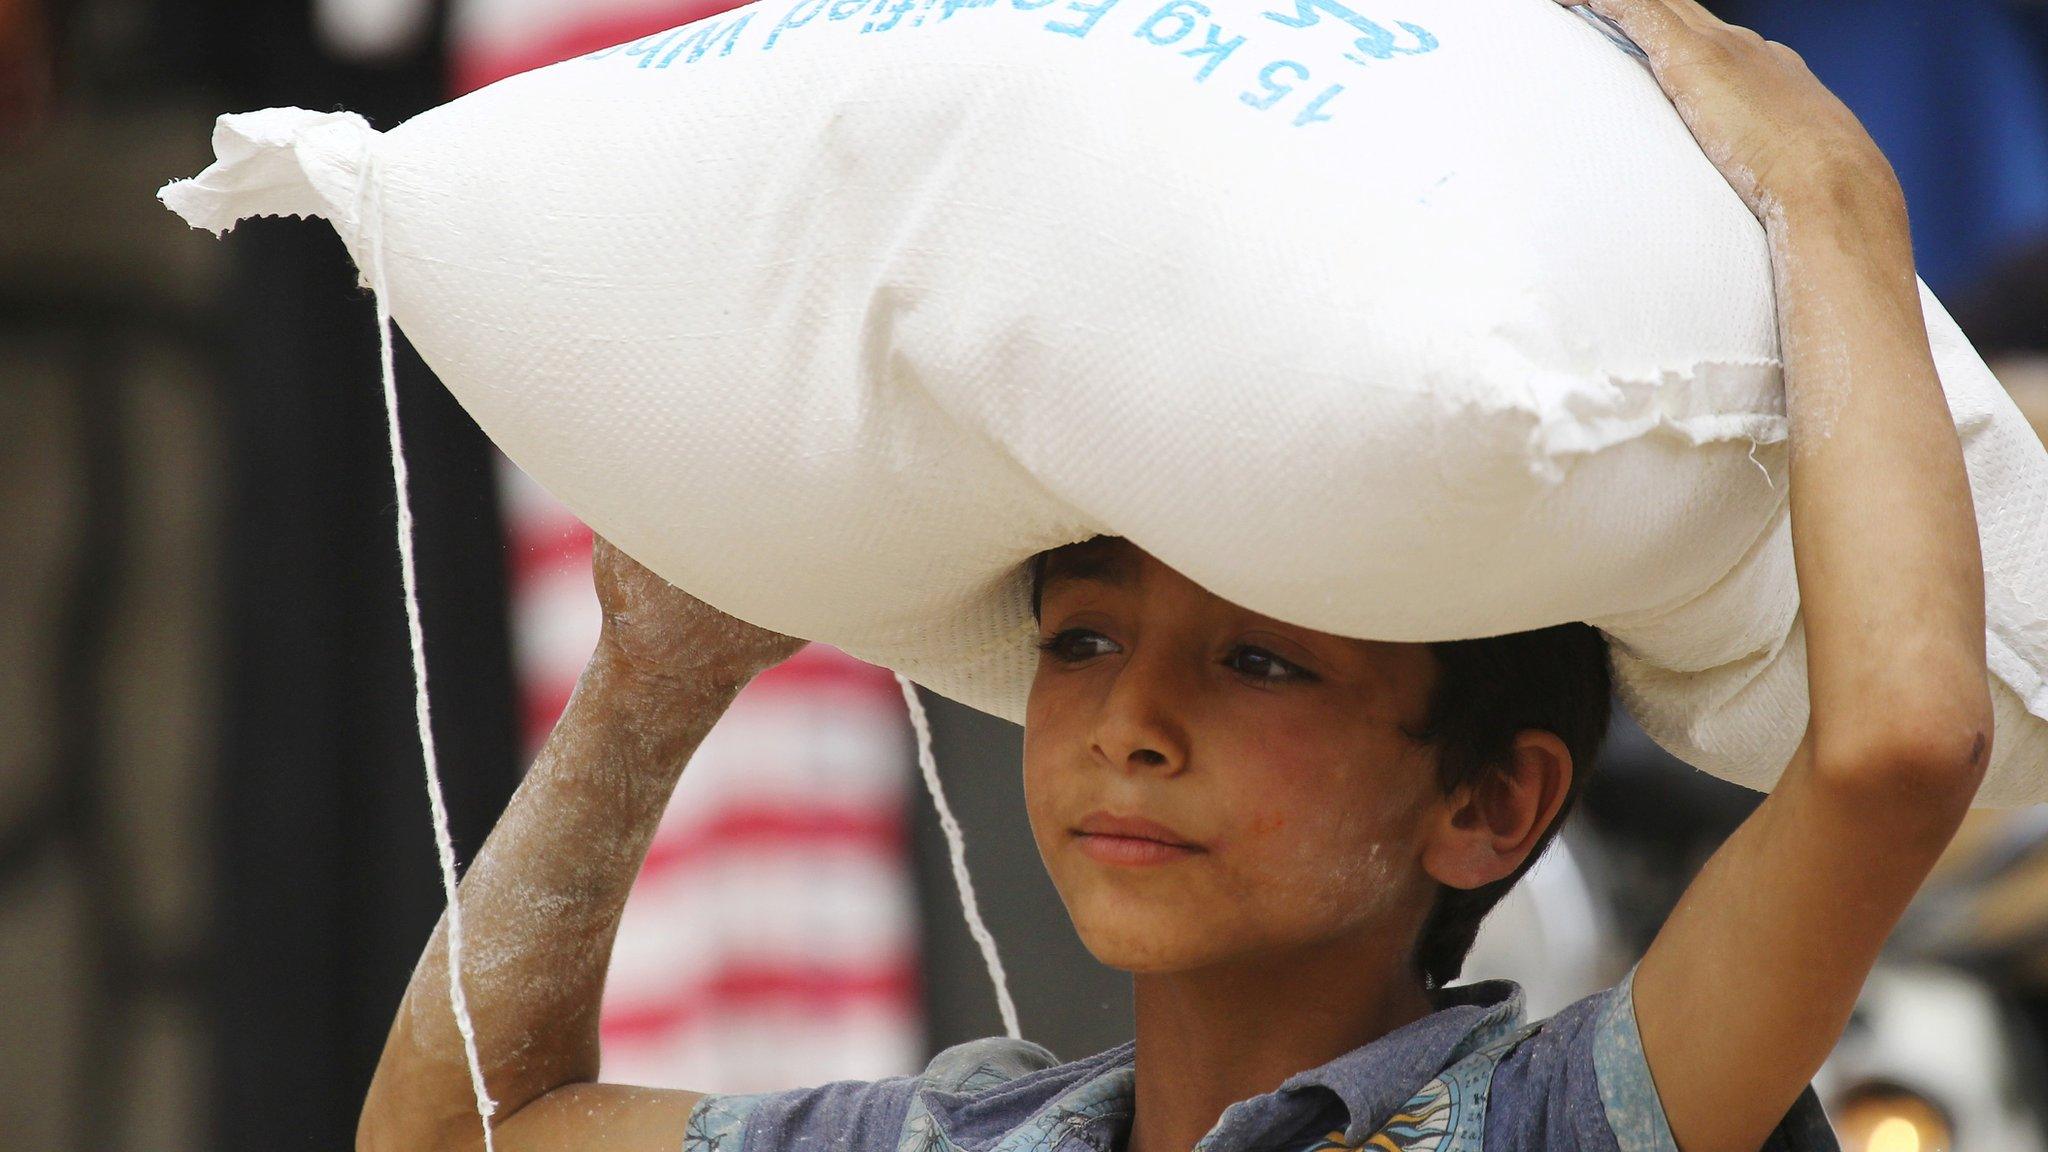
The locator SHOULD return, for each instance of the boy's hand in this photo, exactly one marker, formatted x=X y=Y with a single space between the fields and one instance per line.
x=1772 y=129
x=665 y=636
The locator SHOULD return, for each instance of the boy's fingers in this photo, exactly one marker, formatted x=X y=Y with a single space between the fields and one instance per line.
x=1655 y=25
x=1696 y=14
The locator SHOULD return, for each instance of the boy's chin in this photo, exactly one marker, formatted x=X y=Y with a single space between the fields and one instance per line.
x=1144 y=945
x=1145 y=959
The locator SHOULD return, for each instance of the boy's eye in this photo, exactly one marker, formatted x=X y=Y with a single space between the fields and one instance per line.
x=1259 y=664
x=1075 y=645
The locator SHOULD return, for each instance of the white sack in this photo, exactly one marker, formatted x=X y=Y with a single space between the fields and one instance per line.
x=1409 y=320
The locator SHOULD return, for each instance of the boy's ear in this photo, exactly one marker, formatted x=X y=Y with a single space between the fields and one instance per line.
x=1483 y=831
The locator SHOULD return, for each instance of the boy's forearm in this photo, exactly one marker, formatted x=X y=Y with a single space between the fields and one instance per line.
x=1891 y=588
x=1883 y=527
x=540 y=909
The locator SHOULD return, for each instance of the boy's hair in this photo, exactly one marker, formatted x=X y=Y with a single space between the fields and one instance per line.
x=1555 y=679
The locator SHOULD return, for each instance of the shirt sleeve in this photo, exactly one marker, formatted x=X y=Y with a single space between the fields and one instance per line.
x=843 y=1116
x=1580 y=1081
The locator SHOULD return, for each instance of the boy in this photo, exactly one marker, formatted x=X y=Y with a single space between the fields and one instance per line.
x=1259 y=823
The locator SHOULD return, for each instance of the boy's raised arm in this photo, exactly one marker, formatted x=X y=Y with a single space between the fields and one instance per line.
x=1752 y=979
x=541 y=905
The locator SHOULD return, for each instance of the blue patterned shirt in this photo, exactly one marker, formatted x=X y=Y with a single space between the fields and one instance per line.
x=1470 y=1077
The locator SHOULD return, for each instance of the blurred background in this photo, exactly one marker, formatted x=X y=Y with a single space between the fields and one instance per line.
x=216 y=865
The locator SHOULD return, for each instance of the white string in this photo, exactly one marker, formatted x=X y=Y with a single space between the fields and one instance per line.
x=956 y=848
x=1760 y=466
x=374 y=251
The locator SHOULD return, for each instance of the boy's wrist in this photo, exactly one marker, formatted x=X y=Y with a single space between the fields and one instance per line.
x=1849 y=271
x=1850 y=209
x=616 y=690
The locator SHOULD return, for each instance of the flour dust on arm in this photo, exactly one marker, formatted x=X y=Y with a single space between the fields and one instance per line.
x=541 y=904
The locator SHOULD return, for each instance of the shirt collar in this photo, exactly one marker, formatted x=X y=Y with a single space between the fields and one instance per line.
x=1371 y=1081
x=1376 y=1079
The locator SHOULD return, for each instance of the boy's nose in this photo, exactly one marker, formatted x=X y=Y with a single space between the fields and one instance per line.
x=1139 y=727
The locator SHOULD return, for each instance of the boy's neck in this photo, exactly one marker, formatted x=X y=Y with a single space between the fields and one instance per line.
x=1210 y=1038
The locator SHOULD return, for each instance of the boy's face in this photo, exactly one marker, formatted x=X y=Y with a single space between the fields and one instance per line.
x=1275 y=754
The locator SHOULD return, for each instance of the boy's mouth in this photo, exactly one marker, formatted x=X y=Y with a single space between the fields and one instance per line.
x=1131 y=840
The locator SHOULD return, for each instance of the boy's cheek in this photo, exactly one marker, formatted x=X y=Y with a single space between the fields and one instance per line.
x=1041 y=806
x=1289 y=801
x=1267 y=823
x=1326 y=846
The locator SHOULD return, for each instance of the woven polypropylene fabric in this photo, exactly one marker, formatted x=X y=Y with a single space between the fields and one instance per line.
x=1401 y=319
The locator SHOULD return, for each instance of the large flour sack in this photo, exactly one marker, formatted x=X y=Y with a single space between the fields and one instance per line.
x=1398 y=319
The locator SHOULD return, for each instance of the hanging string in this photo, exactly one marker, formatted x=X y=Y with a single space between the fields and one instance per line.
x=956 y=848
x=370 y=242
